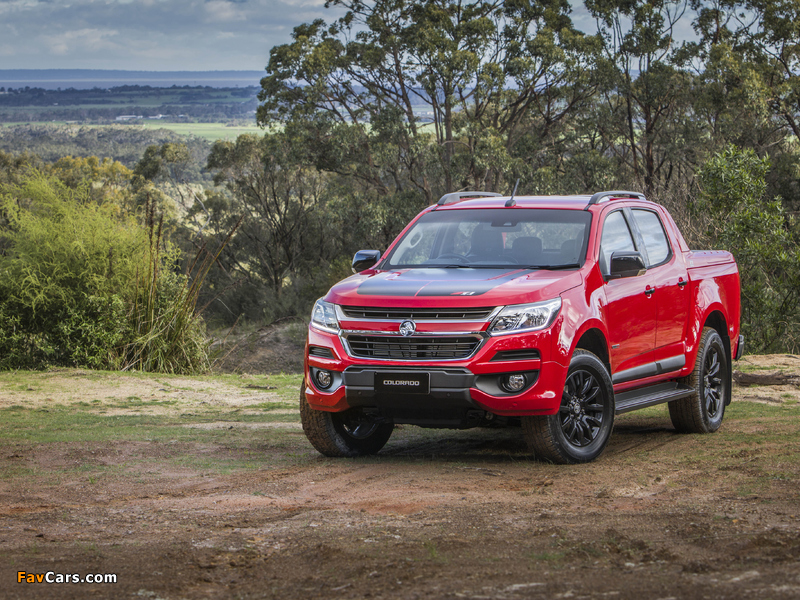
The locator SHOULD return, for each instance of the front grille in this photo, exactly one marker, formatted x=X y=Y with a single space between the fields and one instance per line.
x=410 y=348
x=465 y=314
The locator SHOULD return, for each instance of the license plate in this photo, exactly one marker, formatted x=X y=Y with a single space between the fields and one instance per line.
x=403 y=383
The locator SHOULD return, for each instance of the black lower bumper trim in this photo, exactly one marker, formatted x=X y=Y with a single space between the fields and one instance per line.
x=447 y=404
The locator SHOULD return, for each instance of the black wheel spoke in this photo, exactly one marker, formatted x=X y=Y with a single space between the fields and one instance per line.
x=592 y=394
x=359 y=426
x=587 y=385
x=580 y=438
x=713 y=401
x=593 y=420
x=570 y=387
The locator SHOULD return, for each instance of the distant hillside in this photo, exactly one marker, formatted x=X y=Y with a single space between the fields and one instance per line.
x=28 y=104
x=52 y=79
x=125 y=143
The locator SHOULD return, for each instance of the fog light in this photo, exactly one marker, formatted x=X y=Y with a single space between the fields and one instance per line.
x=513 y=383
x=324 y=379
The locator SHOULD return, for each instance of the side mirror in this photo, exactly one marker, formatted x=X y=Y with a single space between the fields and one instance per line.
x=364 y=259
x=626 y=264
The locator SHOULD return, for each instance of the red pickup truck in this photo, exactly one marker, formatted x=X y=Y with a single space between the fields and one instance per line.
x=554 y=313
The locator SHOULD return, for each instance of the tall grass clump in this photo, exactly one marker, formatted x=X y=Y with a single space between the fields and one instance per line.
x=84 y=284
x=169 y=335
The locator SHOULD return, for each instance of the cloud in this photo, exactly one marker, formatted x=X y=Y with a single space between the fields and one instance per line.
x=149 y=34
x=91 y=40
x=222 y=11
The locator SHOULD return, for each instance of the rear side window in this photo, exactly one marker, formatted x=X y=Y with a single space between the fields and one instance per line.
x=655 y=240
x=616 y=238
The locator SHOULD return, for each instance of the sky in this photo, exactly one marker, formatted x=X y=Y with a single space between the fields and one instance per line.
x=155 y=35
x=159 y=35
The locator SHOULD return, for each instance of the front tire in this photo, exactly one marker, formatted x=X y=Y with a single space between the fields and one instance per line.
x=581 y=428
x=702 y=412
x=349 y=433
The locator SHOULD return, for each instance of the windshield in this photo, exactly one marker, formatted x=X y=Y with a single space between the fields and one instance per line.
x=491 y=238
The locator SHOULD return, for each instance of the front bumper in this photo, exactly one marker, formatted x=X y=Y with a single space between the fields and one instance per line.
x=460 y=390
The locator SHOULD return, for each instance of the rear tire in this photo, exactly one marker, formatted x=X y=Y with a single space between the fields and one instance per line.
x=349 y=433
x=581 y=428
x=702 y=412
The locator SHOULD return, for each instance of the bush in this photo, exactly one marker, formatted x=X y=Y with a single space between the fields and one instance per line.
x=73 y=279
x=759 y=234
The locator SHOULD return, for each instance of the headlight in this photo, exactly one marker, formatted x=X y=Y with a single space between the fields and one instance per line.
x=324 y=317
x=525 y=317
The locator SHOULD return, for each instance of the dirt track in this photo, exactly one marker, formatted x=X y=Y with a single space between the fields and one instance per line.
x=238 y=508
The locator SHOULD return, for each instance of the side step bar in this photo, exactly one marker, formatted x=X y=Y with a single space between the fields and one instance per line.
x=650 y=396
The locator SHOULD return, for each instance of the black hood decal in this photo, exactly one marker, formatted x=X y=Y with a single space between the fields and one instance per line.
x=437 y=282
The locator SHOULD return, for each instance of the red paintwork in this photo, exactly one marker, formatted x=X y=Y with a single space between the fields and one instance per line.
x=647 y=328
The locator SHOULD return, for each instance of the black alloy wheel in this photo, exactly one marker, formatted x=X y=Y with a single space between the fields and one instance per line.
x=703 y=411
x=348 y=433
x=713 y=386
x=355 y=424
x=581 y=428
x=581 y=410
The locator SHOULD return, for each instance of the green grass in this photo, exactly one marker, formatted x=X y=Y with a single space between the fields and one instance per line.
x=208 y=131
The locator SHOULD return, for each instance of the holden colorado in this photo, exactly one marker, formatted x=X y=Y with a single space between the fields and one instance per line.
x=553 y=313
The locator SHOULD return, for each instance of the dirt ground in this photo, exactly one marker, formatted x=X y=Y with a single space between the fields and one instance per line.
x=276 y=348
x=206 y=488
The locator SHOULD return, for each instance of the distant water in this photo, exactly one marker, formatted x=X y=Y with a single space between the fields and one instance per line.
x=52 y=79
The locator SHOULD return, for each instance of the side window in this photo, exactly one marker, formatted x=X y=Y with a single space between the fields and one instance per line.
x=655 y=240
x=616 y=238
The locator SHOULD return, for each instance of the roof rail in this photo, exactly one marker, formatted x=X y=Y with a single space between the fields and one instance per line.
x=457 y=196
x=600 y=196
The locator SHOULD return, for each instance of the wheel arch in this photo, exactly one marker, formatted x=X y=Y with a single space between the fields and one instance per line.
x=594 y=340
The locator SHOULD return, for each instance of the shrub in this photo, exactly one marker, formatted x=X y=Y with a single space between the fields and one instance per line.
x=76 y=271
x=759 y=234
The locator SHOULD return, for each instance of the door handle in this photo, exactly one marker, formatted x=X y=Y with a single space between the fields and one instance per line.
x=649 y=291
x=682 y=283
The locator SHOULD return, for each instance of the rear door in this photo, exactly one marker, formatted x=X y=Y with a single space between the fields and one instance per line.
x=630 y=308
x=671 y=297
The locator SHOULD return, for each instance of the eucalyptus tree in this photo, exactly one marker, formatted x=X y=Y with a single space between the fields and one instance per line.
x=750 y=92
x=429 y=96
x=645 y=118
x=777 y=38
x=280 y=202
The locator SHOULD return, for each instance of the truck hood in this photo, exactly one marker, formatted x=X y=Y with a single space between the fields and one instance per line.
x=451 y=287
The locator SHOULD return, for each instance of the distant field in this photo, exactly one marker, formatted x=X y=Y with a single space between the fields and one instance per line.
x=208 y=131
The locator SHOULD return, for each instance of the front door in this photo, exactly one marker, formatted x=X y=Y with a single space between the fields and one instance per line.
x=630 y=306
